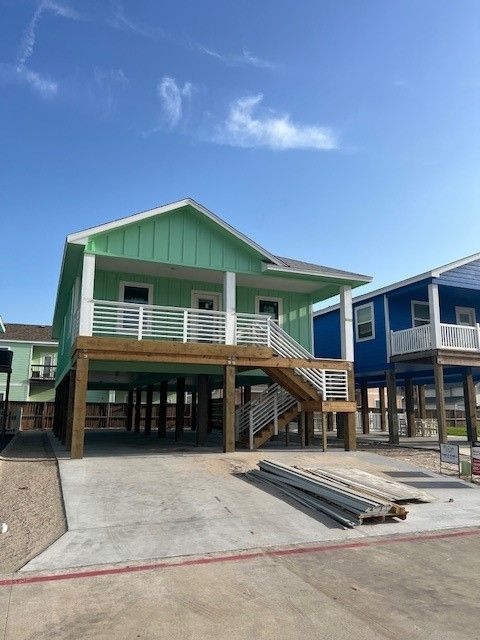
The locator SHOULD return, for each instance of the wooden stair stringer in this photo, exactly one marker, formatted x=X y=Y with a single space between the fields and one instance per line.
x=293 y=383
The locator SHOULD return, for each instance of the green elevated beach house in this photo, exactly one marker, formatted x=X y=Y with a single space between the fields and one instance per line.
x=174 y=299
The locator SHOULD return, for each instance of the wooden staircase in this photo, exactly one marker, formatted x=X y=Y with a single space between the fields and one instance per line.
x=295 y=384
x=268 y=430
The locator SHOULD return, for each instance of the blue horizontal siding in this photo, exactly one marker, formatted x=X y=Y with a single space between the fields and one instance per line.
x=467 y=275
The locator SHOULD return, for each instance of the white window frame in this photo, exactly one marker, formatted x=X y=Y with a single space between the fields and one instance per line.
x=144 y=285
x=279 y=301
x=459 y=310
x=357 y=309
x=206 y=294
x=412 y=312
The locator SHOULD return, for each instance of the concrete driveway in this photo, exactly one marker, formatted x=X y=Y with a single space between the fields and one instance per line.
x=124 y=503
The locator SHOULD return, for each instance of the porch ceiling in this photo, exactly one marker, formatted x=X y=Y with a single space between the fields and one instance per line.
x=317 y=286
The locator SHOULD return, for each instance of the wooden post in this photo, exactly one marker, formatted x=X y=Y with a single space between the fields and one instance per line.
x=324 y=431
x=148 y=411
x=138 y=409
x=162 y=413
x=210 y=411
x=247 y=394
x=410 y=407
x=422 y=405
x=330 y=421
x=348 y=419
x=364 y=401
x=383 y=410
x=301 y=429
x=309 y=428
x=440 y=402
x=129 y=419
x=79 y=407
x=193 y=411
x=202 y=411
x=180 y=409
x=71 y=396
x=65 y=404
x=393 y=436
x=470 y=400
x=228 y=408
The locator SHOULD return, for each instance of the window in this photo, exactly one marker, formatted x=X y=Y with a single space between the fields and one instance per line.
x=465 y=316
x=420 y=313
x=364 y=322
x=269 y=307
x=138 y=294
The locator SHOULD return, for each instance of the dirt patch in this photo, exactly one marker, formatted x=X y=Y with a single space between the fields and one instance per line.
x=31 y=500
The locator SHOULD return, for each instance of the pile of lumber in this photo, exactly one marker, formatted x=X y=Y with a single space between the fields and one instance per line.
x=350 y=506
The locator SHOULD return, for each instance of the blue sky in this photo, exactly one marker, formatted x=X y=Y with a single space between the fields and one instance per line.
x=341 y=132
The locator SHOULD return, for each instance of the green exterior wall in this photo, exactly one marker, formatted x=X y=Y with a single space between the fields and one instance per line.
x=183 y=237
x=21 y=389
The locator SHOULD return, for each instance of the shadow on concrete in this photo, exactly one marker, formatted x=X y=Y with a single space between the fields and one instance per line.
x=440 y=484
x=407 y=474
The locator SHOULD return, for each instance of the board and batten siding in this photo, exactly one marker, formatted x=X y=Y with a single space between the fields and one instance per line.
x=20 y=370
x=172 y=292
x=182 y=237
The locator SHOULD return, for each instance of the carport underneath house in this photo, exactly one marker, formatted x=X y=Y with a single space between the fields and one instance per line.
x=237 y=316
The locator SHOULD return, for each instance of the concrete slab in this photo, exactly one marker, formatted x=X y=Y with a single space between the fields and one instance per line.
x=131 y=508
x=407 y=589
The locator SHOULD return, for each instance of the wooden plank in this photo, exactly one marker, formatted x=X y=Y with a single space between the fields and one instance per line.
x=383 y=410
x=410 y=407
x=422 y=404
x=193 y=411
x=296 y=385
x=69 y=421
x=79 y=408
x=202 y=411
x=440 y=402
x=247 y=394
x=311 y=405
x=148 y=410
x=339 y=406
x=228 y=409
x=180 y=409
x=309 y=429
x=162 y=414
x=393 y=435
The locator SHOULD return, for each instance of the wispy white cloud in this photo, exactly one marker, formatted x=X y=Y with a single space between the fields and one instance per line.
x=40 y=83
x=120 y=20
x=107 y=82
x=243 y=128
x=246 y=57
x=172 y=97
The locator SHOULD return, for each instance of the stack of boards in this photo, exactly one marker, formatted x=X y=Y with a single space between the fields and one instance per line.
x=348 y=496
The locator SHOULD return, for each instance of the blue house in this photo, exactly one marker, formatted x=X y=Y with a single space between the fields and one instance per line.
x=419 y=331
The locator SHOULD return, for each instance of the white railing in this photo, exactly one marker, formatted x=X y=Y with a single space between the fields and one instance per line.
x=265 y=410
x=453 y=336
x=197 y=325
x=411 y=340
x=458 y=336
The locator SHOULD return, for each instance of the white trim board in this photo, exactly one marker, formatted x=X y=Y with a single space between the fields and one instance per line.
x=372 y=321
x=40 y=342
x=279 y=301
x=141 y=285
x=207 y=294
x=323 y=274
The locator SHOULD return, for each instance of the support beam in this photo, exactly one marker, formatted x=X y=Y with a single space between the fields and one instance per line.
x=470 y=400
x=364 y=408
x=138 y=409
x=162 y=414
x=383 y=409
x=129 y=419
x=440 y=402
x=86 y=295
x=422 y=404
x=247 y=394
x=346 y=324
x=434 y=305
x=393 y=436
x=202 y=411
x=228 y=408
x=229 y=305
x=309 y=428
x=193 y=411
x=148 y=411
x=349 y=429
x=301 y=428
x=79 y=408
x=180 y=409
x=410 y=407
x=69 y=420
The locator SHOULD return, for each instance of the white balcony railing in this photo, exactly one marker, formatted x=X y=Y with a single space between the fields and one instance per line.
x=179 y=324
x=452 y=336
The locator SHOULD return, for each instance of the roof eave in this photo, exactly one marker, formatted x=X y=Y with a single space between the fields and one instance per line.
x=356 y=277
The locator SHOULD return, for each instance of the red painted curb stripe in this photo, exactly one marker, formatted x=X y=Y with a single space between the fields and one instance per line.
x=240 y=556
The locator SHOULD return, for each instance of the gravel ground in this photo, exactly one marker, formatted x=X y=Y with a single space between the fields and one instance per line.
x=31 y=500
x=417 y=457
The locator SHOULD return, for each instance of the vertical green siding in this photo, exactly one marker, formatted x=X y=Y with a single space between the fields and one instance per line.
x=20 y=370
x=181 y=237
